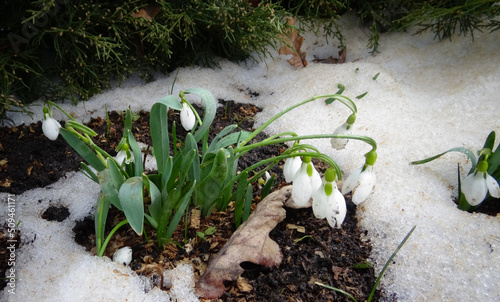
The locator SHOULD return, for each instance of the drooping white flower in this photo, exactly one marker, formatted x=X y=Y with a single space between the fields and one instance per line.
x=477 y=185
x=50 y=127
x=123 y=255
x=344 y=129
x=306 y=182
x=362 y=181
x=328 y=202
x=187 y=117
x=291 y=167
x=124 y=156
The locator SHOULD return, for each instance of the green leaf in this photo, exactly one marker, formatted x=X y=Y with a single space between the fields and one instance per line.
x=248 y=203
x=88 y=172
x=127 y=125
x=158 y=123
x=465 y=151
x=138 y=168
x=165 y=235
x=267 y=187
x=115 y=173
x=490 y=141
x=209 y=189
x=155 y=194
x=100 y=217
x=194 y=169
x=170 y=101
x=362 y=95
x=375 y=76
x=210 y=110
x=108 y=187
x=239 y=198
x=131 y=198
x=81 y=148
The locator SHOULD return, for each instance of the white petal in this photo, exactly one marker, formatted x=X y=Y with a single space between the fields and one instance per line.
x=320 y=204
x=365 y=186
x=187 y=117
x=301 y=190
x=340 y=143
x=50 y=127
x=474 y=188
x=315 y=181
x=351 y=181
x=121 y=157
x=337 y=211
x=123 y=255
x=292 y=166
x=492 y=185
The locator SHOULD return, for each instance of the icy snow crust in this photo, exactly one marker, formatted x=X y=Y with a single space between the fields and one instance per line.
x=430 y=96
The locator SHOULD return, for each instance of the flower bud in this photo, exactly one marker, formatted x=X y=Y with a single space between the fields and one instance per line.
x=50 y=127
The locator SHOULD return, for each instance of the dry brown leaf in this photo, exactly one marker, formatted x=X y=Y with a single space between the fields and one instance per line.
x=148 y=12
x=331 y=60
x=293 y=39
x=250 y=243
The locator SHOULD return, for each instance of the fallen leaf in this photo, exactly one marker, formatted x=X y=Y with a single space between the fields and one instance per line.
x=332 y=60
x=148 y=12
x=293 y=39
x=250 y=243
x=243 y=285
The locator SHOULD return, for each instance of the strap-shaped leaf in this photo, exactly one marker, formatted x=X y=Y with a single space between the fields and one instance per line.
x=210 y=110
x=239 y=198
x=88 y=172
x=158 y=123
x=100 y=217
x=138 y=168
x=194 y=169
x=155 y=194
x=108 y=187
x=178 y=214
x=490 y=141
x=131 y=198
x=171 y=102
x=82 y=149
x=465 y=151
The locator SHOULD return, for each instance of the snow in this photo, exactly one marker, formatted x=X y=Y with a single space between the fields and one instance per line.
x=429 y=96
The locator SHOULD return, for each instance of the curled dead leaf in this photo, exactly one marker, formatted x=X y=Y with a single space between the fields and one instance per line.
x=148 y=12
x=292 y=39
x=250 y=243
x=331 y=60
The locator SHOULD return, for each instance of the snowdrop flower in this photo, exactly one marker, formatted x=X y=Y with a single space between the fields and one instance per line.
x=263 y=180
x=477 y=185
x=124 y=155
x=345 y=129
x=292 y=166
x=123 y=255
x=362 y=181
x=328 y=202
x=187 y=117
x=305 y=183
x=50 y=127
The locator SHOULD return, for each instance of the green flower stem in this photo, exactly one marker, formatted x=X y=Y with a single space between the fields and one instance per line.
x=62 y=110
x=113 y=231
x=241 y=150
x=293 y=134
x=345 y=100
x=276 y=159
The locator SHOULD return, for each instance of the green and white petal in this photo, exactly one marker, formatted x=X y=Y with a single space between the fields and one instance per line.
x=337 y=211
x=492 y=185
x=474 y=188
